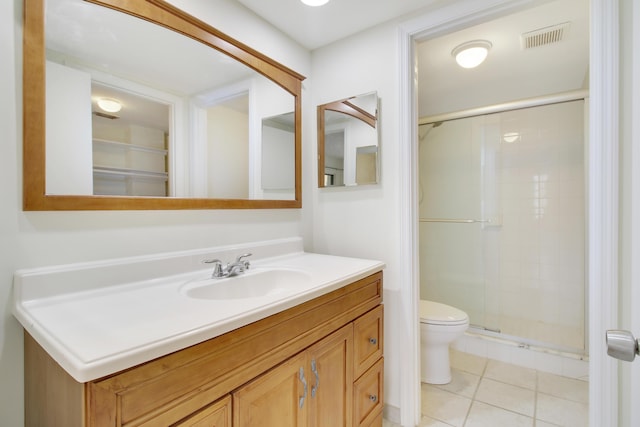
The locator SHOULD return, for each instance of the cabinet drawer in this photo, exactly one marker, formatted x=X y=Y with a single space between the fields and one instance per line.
x=368 y=340
x=368 y=395
x=218 y=414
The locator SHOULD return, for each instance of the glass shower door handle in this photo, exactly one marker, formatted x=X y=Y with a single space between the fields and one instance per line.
x=622 y=345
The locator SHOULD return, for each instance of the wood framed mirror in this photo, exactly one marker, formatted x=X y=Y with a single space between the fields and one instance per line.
x=179 y=84
x=348 y=146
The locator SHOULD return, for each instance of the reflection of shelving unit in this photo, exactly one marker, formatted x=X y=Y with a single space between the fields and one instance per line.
x=134 y=173
x=130 y=169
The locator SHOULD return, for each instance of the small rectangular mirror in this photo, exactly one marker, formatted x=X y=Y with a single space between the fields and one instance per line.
x=348 y=142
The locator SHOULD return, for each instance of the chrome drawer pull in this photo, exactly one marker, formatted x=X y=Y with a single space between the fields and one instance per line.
x=373 y=398
x=373 y=341
x=304 y=382
x=314 y=369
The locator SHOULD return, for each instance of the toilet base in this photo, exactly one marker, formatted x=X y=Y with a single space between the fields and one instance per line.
x=435 y=367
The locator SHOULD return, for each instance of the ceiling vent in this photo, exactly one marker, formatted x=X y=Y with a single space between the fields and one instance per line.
x=106 y=115
x=544 y=36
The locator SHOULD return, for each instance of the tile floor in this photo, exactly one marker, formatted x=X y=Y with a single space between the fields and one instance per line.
x=485 y=392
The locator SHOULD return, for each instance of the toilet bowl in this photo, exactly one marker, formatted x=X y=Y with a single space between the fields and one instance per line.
x=440 y=324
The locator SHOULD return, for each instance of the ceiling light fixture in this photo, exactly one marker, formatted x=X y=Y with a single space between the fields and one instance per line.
x=471 y=54
x=511 y=137
x=314 y=2
x=109 y=105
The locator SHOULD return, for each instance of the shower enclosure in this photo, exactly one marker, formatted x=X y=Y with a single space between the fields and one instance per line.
x=502 y=219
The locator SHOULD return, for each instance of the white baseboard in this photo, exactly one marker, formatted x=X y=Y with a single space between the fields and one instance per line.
x=391 y=413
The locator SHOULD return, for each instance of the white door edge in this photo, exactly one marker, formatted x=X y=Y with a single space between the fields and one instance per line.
x=603 y=210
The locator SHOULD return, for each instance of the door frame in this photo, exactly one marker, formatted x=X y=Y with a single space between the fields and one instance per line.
x=602 y=192
x=633 y=379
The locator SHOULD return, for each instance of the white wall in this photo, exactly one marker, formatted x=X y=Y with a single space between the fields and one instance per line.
x=362 y=221
x=227 y=153
x=68 y=153
x=278 y=152
x=33 y=239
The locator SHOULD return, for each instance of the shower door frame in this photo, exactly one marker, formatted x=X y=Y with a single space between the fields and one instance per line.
x=602 y=190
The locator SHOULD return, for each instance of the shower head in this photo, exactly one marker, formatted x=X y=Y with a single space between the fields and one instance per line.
x=428 y=127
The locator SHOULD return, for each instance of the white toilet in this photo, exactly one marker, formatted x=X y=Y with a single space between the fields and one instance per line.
x=440 y=324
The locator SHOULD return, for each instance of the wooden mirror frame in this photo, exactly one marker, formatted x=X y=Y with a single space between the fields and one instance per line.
x=168 y=16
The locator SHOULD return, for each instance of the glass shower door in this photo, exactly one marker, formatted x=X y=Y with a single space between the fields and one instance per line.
x=502 y=231
x=451 y=241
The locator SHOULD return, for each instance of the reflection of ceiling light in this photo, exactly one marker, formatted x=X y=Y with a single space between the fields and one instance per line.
x=109 y=105
x=511 y=137
x=314 y=2
x=471 y=54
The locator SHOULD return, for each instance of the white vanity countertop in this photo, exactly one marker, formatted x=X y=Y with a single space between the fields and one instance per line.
x=96 y=319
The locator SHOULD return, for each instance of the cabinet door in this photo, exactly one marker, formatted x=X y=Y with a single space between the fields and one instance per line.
x=330 y=362
x=278 y=398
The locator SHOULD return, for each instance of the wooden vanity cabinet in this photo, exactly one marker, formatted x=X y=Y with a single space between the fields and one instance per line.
x=248 y=377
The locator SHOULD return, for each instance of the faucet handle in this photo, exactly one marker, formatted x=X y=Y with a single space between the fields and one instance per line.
x=242 y=256
x=245 y=263
x=217 y=268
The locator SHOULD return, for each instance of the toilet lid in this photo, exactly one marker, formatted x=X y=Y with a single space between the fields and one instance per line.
x=436 y=313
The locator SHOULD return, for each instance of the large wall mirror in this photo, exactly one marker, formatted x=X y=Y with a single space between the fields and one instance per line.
x=348 y=148
x=133 y=104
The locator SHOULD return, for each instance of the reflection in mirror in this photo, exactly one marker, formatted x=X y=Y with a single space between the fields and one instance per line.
x=129 y=145
x=366 y=165
x=278 y=151
x=236 y=138
x=186 y=120
x=348 y=149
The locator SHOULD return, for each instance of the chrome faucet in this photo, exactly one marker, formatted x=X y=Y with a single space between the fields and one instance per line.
x=239 y=266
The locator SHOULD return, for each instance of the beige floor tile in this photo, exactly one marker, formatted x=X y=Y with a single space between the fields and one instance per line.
x=566 y=388
x=506 y=396
x=444 y=406
x=467 y=362
x=486 y=392
x=562 y=412
x=430 y=422
x=387 y=423
x=462 y=383
x=483 y=415
x=511 y=374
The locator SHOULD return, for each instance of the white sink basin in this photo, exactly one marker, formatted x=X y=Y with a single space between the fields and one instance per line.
x=251 y=284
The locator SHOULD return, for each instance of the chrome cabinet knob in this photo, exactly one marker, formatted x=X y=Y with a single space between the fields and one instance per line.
x=621 y=345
